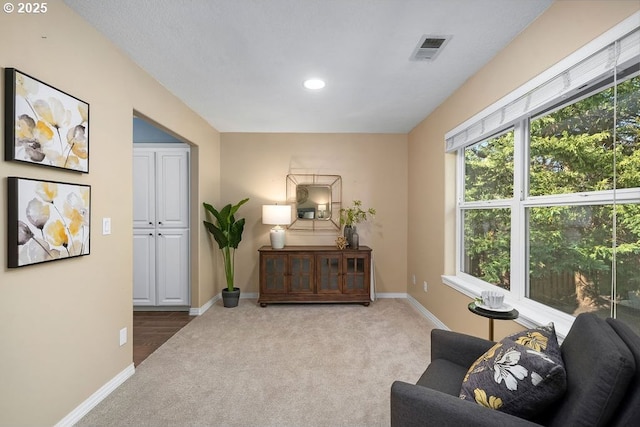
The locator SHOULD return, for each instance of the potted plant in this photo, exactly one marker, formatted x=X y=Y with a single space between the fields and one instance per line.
x=351 y=216
x=227 y=231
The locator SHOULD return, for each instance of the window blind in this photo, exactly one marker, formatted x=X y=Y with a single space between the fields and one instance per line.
x=620 y=54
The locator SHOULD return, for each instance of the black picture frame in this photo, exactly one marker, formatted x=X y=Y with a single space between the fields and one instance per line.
x=44 y=126
x=47 y=221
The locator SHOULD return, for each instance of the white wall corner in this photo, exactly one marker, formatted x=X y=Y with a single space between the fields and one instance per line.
x=198 y=311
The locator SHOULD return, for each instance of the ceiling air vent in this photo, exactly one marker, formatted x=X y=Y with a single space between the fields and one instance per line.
x=429 y=47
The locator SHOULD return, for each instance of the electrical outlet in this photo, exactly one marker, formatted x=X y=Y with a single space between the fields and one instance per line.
x=123 y=336
x=424 y=285
x=414 y=279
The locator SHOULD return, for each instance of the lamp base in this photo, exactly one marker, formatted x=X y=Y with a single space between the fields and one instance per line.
x=277 y=236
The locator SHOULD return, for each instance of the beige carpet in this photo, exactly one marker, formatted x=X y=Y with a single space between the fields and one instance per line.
x=283 y=365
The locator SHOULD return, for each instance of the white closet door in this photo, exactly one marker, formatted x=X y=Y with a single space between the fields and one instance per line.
x=144 y=271
x=161 y=226
x=144 y=193
x=172 y=189
x=172 y=267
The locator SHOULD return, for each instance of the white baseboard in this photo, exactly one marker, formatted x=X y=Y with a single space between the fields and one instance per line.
x=414 y=302
x=198 y=311
x=426 y=313
x=253 y=295
x=83 y=409
x=249 y=295
x=391 y=295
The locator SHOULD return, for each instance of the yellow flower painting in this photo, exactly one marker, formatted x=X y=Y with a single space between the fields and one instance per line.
x=47 y=221
x=50 y=127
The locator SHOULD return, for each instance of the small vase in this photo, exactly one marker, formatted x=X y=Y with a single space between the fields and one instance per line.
x=348 y=233
x=355 y=240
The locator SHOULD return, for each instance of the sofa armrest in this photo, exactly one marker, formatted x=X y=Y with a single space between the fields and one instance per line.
x=417 y=406
x=458 y=348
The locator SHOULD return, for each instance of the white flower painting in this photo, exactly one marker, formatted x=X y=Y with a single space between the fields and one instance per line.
x=48 y=221
x=50 y=127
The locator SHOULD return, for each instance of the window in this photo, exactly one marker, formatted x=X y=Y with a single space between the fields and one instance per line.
x=486 y=213
x=549 y=192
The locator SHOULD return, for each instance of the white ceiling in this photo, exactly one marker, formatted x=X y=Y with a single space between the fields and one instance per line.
x=240 y=63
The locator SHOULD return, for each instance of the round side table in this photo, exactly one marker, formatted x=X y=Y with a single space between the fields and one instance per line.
x=491 y=315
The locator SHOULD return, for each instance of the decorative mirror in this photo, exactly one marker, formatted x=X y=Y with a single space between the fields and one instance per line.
x=316 y=199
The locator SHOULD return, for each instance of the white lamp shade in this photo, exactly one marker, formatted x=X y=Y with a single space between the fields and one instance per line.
x=322 y=207
x=276 y=214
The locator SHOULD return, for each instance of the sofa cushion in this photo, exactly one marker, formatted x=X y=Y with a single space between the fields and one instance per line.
x=599 y=370
x=443 y=375
x=522 y=375
x=628 y=413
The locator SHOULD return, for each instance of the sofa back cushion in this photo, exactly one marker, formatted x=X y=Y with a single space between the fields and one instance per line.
x=629 y=411
x=599 y=368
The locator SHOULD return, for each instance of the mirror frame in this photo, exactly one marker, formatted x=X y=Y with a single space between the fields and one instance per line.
x=334 y=182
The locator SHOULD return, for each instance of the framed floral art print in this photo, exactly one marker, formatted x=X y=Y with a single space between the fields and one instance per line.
x=43 y=125
x=47 y=221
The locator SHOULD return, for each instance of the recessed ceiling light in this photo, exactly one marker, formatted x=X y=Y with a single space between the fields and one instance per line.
x=314 y=84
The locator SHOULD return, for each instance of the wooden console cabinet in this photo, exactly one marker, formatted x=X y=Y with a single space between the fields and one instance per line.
x=305 y=274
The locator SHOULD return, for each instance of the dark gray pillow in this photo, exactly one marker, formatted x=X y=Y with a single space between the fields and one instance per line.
x=522 y=375
x=543 y=338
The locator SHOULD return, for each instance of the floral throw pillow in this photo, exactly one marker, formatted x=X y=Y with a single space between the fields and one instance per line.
x=542 y=338
x=521 y=375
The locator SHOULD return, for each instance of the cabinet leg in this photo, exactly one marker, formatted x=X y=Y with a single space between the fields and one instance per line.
x=366 y=304
x=262 y=304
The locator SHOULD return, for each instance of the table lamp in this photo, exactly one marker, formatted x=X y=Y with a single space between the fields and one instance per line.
x=277 y=215
x=321 y=210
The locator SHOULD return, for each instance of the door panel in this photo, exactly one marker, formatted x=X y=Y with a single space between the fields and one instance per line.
x=275 y=273
x=172 y=180
x=329 y=274
x=144 y=199
x=172 y=267
x=144 y=277
x=355 y=271
x=301 y=274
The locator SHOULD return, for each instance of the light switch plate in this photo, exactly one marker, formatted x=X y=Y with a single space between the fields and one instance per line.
x=123 y=336
x=106 y=226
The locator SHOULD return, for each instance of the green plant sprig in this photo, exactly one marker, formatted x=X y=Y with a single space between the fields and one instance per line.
x=355 y=214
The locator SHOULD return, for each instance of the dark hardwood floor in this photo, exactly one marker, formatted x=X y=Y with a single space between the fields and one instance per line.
x=151 y=329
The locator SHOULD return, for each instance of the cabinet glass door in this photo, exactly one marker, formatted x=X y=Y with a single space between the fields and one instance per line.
x=355 y=274
x=328 y=277
x=301 y=273
x=275 y=273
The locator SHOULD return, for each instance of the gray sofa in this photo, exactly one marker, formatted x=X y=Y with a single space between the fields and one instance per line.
x=602 y=362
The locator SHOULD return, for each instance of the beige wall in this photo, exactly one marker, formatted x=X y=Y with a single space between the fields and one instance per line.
x=60 y=321
x=563 y=28
x=373 y=170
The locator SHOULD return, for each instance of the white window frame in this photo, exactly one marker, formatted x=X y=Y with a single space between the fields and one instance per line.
x=532 y=313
